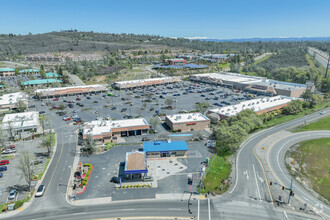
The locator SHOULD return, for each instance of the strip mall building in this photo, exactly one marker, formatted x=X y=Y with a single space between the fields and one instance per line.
x=187 y=122
x=72 y=90
x=108 y=131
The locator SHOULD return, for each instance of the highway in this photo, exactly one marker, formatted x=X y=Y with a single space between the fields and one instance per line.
x=248 y=197
x=277 y=164
x=320 y=56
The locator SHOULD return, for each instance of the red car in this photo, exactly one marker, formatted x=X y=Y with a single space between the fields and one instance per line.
x=78 y=99
x=55 y=107
x=4 y=162
x=55 y=99
x=69 y=101
x=68 y=119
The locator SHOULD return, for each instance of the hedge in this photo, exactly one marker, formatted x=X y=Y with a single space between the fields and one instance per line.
x=18 y=204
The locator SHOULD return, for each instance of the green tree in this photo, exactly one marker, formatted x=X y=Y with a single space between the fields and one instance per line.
x=293 y=108
x=168 y=101
x=316 y=100
x=154 y=121
x=307 y=95
x=25 y=167
x=42 y=72
x=61 y=107
x=42 y=121
x=89 y=146
x=202 y=106
x=48 y=141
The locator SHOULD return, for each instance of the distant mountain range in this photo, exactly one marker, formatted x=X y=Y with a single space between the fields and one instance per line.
x=264 y=39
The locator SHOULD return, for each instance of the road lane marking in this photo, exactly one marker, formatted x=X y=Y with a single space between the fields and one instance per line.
x=286 y=216
x=256 y=182
x=198 y=210
x=298 y=197
x=209 y=207
x=247 y=175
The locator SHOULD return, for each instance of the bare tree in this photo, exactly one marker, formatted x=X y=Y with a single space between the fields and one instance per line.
x=48 y=141
x=21 y=106
x=42 y=121
x=25 y=166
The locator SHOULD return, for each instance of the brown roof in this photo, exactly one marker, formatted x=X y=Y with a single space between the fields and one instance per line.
x=136 y=161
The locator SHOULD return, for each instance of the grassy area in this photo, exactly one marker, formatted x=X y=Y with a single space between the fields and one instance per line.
x=108 y=146
x=43 y=171
x=284 y=118
x=309 y=60
x=323 y=124
x=314 y=163
x=8 y=157
x=86 y=109
x=262 y=60
x=224 y=65
x=220 y=169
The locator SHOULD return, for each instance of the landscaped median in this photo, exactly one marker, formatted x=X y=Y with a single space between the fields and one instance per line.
x=85 y=180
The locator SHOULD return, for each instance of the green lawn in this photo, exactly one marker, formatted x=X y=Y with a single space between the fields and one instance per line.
x=285 y=118
x=323 y=124
x=224 y=65
x=315 y=164
x=309 y=60
x=220 y=169
x=43 y=171
x=262 y=60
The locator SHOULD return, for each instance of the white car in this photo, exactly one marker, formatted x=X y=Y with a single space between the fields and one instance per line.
x=323 y=112
x=40 y=191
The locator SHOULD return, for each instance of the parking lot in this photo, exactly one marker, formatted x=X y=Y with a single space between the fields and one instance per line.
x=138 y=103
x=11 y=178
x=106 y=166
x=11 y=81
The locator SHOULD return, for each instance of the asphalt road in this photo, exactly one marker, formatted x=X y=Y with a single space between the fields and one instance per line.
x=248 y=198
x=277 y=164
x=320 y=56
x=250 y=179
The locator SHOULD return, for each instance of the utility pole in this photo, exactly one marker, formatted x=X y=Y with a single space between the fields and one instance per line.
x=326 y=71
x=290 y=192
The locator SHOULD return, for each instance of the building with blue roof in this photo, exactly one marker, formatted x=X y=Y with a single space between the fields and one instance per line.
x=40 y=82
x=7 y=71
x=51 y=75
x=157 y=149
x=29 y=71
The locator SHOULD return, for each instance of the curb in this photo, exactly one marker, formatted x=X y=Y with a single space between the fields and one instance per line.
x=86 y=182
x=27 y=204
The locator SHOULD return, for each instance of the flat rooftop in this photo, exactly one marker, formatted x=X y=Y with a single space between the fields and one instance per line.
x=40 y=81
x=7 y=69
x=135 y=163
x=97 y=87
x=231 y=77
x=163 y=146
x=280 y=85
x=101 y=126
x=186 y=118
x=13 y=98
x=255 y=105
x=22 y=120
x=141 y=81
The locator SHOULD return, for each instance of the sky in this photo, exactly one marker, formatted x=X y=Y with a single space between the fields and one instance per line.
x=216 y=19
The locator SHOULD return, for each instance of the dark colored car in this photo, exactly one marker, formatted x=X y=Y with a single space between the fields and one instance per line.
x=3 y=168
x=95 y=102
x=41 y=112
x=145 y=139
x=115 y=179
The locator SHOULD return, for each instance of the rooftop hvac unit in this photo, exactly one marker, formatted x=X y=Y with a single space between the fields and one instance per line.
x=169 y=141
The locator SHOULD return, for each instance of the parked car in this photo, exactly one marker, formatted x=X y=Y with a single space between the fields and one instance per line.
x=323 y=112
x=95 y=102
x=88 y=97
x=4 y=162
x=1 y=175
x=42 y=112
x=8 y=151
x=3 y=168
x=113 y=108
x=115 y=179
x=12 y=194
x=55 y=107
x=55 y=99
x=148 y=179
x=40 y=191
x=78 y=99
x=145 y=139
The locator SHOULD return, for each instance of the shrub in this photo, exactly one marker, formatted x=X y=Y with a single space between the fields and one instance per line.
x=18 y=204
x=84 y=182
x=5 y=207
